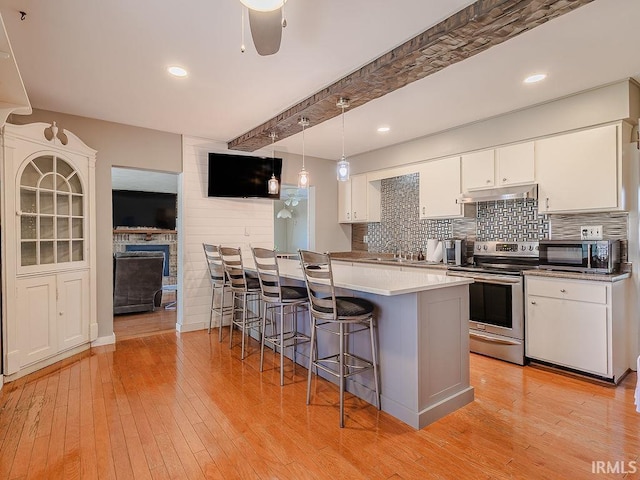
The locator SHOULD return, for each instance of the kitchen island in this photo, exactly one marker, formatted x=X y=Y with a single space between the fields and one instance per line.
x=423 y=337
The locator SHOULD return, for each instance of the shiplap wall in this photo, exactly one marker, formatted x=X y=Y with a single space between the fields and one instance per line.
x=220 y=221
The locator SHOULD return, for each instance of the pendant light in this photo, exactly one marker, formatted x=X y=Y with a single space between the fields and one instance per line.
x=343 y=165
x=273 y=186
x=303 y=175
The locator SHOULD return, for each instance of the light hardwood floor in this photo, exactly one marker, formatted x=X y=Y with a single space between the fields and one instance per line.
x=132 y=325
x=184 y=406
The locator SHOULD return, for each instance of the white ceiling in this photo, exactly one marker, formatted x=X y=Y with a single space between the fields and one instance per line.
x=107 y=60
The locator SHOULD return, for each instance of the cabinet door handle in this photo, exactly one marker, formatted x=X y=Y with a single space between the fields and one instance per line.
x=547 y=203
x=488 y=181
x=504 y=179
x=423 y=210
x=348 y=216
x=533 y=302
x=563 y=290
x=355 y=214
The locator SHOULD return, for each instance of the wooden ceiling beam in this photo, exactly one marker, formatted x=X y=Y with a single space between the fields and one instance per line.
x=468 y=32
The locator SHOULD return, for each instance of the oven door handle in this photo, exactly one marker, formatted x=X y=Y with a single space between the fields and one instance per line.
x=486 y=338
x=487 y=278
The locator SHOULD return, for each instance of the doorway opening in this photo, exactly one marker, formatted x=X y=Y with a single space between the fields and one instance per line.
x=145 y=250
x=291 y=220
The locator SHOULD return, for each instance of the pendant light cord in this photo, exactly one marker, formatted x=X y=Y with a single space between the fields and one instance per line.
x=342 y=132
x=303 y=125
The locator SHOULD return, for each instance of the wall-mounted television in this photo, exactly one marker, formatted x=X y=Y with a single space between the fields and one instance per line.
x=144 y=209
x=241 y=175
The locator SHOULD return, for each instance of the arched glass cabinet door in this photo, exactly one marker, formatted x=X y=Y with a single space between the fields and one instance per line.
x=51 y=210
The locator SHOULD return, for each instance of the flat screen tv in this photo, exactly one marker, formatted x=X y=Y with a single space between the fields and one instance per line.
x=144 y=209
x=241 y=175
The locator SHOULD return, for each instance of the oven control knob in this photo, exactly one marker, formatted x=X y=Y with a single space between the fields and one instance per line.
x=530 y=248
x=479 y=247
x=523 y=248
x=484 y=247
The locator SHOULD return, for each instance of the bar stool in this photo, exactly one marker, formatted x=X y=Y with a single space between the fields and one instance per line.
x=349 y=314
x=277 y=299
x=243 y=289
x=219 y=283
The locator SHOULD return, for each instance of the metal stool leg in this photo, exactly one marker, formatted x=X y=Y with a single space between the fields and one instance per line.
x=281 y=345
x=234 y=299
x=313 y=353
x=221 y=315
x=244 y=322
x=213 y=297
x=264 y=327
x=341 y=377
x=374 y=357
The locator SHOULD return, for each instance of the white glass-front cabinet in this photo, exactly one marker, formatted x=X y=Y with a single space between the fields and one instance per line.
x=49 y=259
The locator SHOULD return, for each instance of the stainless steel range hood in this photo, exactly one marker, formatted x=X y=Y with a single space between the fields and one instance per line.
x=529 y=191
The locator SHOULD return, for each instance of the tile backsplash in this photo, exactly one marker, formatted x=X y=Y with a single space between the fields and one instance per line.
x=509 y=220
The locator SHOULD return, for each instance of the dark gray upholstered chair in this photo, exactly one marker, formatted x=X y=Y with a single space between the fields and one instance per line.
x=339 y=316
x=137 y=281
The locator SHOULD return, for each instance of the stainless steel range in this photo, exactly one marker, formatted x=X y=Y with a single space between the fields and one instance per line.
x=496 y=298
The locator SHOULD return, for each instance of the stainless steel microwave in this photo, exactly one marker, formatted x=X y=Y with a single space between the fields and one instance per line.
x=588 y=256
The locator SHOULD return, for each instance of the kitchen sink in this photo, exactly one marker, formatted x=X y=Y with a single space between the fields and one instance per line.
x=399 y=260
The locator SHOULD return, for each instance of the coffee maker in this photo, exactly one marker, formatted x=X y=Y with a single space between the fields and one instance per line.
x=455 y=251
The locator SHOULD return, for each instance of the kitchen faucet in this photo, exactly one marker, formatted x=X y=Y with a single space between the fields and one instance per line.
x=386 y=246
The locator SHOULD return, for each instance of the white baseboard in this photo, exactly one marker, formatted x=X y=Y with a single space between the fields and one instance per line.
x=1 y=381
x=191 y=327
x=106 y=340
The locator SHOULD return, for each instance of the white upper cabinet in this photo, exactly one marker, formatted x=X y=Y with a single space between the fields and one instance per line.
x=344 y=202
x=579 y=171
x=478 y=170
x=499 y=167
x=359 y=200
x=515 y=164
x=440 y=189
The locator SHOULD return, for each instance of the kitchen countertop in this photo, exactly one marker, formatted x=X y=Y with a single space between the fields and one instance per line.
x=382 y=281
x=596 y=277
x=384 y=259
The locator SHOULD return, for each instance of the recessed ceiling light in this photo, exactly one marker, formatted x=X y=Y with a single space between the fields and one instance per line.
x=177 y=71
x=535 y=78
x=383 y=129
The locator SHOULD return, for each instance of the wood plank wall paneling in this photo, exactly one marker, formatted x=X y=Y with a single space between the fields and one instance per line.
x=227 y=221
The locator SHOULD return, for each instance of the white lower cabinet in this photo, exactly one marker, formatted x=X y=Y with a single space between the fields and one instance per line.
x=53 y=312
x=576 y=324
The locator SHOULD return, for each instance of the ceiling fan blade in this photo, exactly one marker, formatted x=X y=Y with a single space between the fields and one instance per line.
x=266 y=30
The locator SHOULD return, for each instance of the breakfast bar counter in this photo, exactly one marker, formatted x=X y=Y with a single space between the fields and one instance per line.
x=423 y=338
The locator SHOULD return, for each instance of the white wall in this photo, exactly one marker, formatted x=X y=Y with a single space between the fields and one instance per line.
x=234 y=222
x=237 y=222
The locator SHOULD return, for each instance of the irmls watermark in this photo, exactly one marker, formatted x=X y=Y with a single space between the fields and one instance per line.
x=617 y=466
